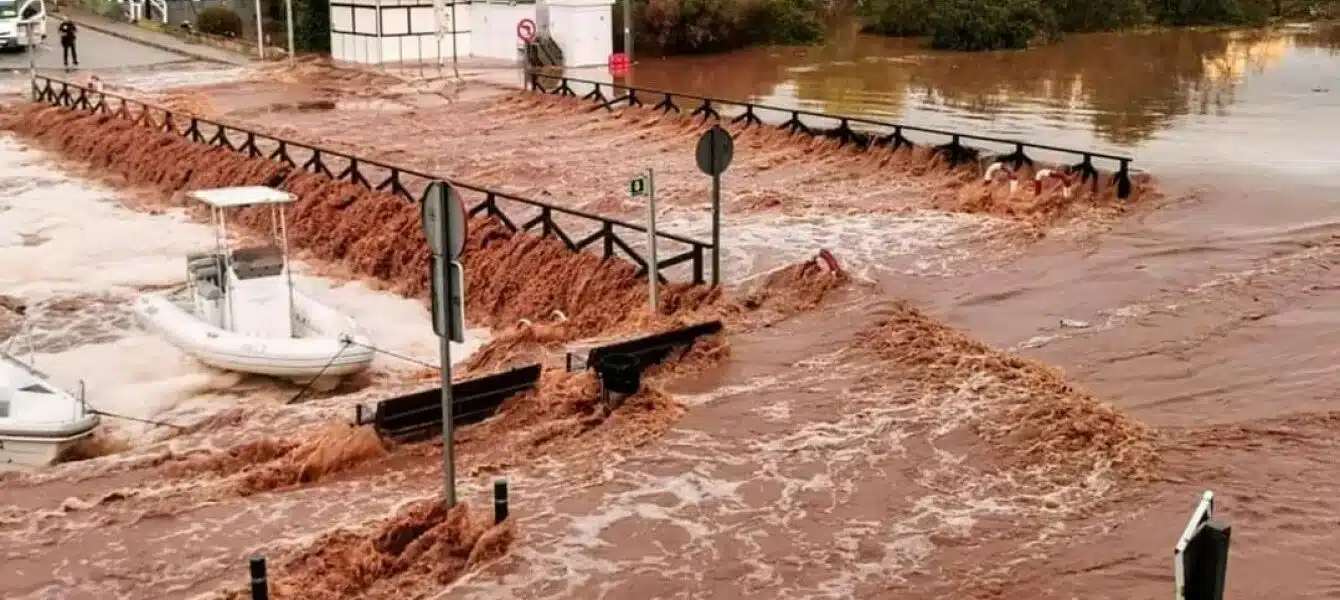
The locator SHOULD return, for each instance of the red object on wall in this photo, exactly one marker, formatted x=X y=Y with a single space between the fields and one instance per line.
x=618 y=63
x=525 y=30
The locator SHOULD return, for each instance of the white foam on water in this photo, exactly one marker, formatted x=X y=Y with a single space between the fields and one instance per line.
x=163 y=80
x=926 y=242
x=62 y=237
x=393 y=323
x=139 y=376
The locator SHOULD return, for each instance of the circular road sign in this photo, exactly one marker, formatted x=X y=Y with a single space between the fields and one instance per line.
x=525 y=29
x=439 y=202
x=716 y=148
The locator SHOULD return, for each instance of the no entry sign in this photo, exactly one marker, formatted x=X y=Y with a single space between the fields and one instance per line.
x=618 y=63
x=525 y=29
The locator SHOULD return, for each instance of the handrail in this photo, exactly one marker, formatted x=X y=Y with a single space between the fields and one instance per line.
x=954 y=151
x=62 y=93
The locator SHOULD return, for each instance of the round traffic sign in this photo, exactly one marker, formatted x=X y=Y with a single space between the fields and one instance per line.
x=525 y=29
x=716 y=148
x=440 y=202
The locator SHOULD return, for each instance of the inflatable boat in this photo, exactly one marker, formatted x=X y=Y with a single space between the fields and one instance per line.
x=239 y=310
x=38 y=421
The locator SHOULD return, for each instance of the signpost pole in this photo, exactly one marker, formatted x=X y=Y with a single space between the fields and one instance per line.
x=716 y=149
x=653 y=265
x=448 y=420
x=716 y=229
x=444 y=227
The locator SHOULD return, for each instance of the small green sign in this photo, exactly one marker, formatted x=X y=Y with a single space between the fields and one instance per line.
x=637 y=187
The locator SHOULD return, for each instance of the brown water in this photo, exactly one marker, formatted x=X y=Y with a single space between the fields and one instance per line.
x=1182 y=102
x=857 y=451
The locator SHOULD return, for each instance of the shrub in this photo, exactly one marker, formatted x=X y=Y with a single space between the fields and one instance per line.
x=897 y=18
x=312 y=25
x=1214 y=12
x=703 y=26
x=976 y=25
x=218 y=20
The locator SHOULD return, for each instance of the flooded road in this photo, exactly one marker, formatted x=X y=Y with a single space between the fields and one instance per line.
x=867 y=449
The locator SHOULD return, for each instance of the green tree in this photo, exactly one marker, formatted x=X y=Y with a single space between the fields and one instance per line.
x=311 y=25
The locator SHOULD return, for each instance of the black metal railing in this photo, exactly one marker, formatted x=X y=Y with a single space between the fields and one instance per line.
x=539 y=217
x=862 y=132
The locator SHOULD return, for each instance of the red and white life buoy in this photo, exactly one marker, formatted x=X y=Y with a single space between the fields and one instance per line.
x=995 y=169
x=1067 y=181
x=826 y=258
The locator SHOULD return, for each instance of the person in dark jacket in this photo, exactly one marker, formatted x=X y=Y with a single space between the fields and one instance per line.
x=68 y=33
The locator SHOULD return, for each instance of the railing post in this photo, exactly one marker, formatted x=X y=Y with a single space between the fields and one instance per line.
x=500 y=511
x=260 y=585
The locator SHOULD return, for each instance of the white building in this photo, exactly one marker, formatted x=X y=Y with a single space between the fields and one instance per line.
x=394 y=31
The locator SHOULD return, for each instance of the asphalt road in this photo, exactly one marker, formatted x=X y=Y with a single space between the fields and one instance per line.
x=97 y=51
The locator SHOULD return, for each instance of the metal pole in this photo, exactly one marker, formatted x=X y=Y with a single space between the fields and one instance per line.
x=628 y=30
x=653 y=265
x=380 y=45
x=455 y=67
x=292 y=54
x=448 y=422
x=716 y=230
x=260 y=32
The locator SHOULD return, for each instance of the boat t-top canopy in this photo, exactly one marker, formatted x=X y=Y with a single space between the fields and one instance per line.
x=235 y=197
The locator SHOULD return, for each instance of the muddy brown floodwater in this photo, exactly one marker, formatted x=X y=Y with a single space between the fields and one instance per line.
x=900 y=430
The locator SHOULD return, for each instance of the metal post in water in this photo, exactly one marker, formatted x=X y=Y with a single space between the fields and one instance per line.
x=260 y=585
x=381 y=46
x=292 y=54
x=448 y=420
x=260 y=32
x=716 y=230
x=443 y=267
x=628 y=30
x=653 y=265
x=32 y=75
x=499 y=501
x=455 y=66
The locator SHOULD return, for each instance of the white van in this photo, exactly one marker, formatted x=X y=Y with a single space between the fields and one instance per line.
x=23 y=23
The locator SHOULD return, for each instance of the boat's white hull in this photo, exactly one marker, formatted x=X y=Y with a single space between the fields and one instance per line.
x=319 y=349
x=38 y=420
x=25 y=451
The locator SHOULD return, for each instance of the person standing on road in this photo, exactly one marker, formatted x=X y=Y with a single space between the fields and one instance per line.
x=69 y=51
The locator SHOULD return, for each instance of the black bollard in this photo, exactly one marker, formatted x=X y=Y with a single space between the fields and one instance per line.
x=620 y=377
x=260 y=586
x=499 y=501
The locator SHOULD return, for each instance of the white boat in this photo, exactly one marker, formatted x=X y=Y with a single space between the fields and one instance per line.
x=38 y=421
x=240 y=312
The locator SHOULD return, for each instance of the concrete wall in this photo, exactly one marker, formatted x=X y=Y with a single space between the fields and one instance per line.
x=407 y=30
x=493 y=29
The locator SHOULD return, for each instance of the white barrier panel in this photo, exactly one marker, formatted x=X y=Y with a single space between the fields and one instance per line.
x=393 y=31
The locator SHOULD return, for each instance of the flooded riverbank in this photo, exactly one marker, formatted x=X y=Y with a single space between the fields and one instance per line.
x=1185 y=103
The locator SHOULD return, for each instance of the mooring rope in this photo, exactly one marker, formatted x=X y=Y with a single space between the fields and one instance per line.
x=393 y=354
x=307 y=386
x=112 y=415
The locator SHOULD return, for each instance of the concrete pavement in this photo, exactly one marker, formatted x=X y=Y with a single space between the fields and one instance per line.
x=97 y=50
x=142 y=36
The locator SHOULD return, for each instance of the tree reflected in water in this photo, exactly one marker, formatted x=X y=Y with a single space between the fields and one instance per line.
x=1127 y=86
